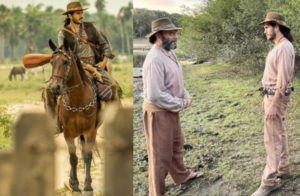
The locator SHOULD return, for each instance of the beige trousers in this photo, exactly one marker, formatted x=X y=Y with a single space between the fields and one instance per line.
x=165 y=148
x=276 y=142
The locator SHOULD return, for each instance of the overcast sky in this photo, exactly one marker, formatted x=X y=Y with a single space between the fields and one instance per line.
x=171 y=6
x=112 y=6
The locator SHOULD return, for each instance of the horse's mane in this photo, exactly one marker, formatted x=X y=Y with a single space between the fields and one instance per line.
x=82 y=74
x=81 y=70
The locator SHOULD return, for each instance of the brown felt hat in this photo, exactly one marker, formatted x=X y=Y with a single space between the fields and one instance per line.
x=162 y=24
x=74 y=6
x=275 y=17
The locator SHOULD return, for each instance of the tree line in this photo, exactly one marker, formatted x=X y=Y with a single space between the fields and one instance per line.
x=143 y=17
x=28 y=30
x=229 y=30
x=225 y=30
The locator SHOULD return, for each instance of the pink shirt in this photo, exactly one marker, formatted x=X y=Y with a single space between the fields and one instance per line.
x=163 y=80
x=280 y=67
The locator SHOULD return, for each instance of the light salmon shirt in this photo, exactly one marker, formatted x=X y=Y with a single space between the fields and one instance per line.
x=163 y=80
x=279 y=67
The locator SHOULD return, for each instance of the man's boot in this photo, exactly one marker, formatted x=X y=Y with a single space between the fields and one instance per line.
x=264 y=190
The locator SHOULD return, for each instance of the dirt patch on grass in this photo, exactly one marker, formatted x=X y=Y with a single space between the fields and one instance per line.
x=223 y=134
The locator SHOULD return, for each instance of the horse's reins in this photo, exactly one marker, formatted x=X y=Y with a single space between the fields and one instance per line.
x=68 y=90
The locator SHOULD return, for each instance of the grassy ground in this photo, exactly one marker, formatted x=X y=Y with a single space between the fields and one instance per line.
x=18 y=93
x=29 y=92
x=223 y=134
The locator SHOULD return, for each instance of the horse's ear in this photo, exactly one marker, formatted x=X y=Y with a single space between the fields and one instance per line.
x=52 y=45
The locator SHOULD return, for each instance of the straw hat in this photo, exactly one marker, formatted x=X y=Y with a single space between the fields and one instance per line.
x=162 y=24
x=275 y=17
x=74 y=6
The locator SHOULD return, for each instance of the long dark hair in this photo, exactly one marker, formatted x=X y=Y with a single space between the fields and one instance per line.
x=286 y=32
x=152 y=39
x=68 y=20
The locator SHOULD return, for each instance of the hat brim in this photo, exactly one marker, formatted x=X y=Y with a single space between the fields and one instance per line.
x=265 y=21
x=168 y=29
x=65 y=13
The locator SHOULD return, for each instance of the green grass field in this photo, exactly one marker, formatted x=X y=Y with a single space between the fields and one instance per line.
x=29 y=92
x=224 y=128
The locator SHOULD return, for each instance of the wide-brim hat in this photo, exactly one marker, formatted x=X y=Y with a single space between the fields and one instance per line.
x=162 y=24
x=275 y=17
x=74 y=6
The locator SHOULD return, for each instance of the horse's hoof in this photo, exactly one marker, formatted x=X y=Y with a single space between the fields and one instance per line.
x=74 y=186
x=88 y=188
x=87 y=193
x=76 y=192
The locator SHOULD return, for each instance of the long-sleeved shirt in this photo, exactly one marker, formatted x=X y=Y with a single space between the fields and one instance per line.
x=279 y=67
x=163 y=80
x=85 y=50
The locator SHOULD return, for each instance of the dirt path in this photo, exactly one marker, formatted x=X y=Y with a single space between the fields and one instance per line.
x=62 y=166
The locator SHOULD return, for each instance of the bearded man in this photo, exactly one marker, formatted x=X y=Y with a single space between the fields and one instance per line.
x=277 y=87
x=164 y=98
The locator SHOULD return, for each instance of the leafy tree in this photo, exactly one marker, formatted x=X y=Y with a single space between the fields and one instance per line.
x=102 y=15
x=228 y=30
x=31 y=29
x=14 y=21
x=4 y=13
x=143 y=17
x=125 y=15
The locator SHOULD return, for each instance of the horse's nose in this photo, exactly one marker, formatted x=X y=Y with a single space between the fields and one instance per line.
x=55 y=88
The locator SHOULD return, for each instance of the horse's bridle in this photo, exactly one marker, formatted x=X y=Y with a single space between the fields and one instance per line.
x=65 y=78
x=68 y=90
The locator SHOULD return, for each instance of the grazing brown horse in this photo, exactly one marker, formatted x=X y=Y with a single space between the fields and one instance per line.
x=78 y=108
x=16 y=71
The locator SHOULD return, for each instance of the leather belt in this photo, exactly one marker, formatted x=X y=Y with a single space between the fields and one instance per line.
x=271 y=91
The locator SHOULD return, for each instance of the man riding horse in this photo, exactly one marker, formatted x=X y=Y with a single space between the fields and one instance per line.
x=92 y=48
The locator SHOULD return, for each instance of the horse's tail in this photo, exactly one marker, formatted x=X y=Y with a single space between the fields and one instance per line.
x=81 y=141
x=94 y=148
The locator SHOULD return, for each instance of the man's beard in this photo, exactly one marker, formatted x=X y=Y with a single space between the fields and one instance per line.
x=76 y=21
x=272 y=36
x=168 y=45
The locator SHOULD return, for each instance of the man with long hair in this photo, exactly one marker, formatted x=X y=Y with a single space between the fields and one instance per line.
x=164 y=98
x=92 y=48
x=277 y=87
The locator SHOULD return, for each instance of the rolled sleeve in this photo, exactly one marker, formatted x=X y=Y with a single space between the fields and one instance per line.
x=104 y=43
x=157 y=92
x=186 y=94
x=285 y=61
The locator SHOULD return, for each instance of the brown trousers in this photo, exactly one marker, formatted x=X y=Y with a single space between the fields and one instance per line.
x=165 y=148
x=276 y=142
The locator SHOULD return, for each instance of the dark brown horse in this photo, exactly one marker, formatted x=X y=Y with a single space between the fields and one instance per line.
x=78 y=108
x=16 y=71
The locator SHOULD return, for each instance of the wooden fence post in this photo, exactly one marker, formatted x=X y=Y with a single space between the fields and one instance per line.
x=33 y=173
x=6 y=169
x=118 y=155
